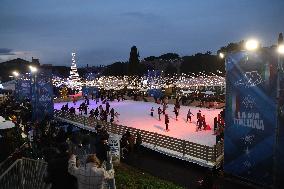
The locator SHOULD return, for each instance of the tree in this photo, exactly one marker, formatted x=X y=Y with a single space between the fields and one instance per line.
x=232 y=47
x=150 y=58
x=116 y=69
x=170 y=69
x=169 y=56
x=133 y=61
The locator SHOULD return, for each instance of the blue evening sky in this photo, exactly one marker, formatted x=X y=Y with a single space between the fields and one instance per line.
x=103 y=31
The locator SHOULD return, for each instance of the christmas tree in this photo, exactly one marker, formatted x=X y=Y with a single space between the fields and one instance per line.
x=74 y=75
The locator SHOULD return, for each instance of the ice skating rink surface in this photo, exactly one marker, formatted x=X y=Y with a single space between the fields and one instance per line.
x=136 y=114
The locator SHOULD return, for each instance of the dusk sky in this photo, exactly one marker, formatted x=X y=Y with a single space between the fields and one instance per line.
x=102 y=32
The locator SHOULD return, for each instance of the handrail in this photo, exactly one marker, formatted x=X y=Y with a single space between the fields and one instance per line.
x=3 y=165
x=25 y=173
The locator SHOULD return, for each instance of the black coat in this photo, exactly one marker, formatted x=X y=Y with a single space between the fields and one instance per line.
x=58 y=173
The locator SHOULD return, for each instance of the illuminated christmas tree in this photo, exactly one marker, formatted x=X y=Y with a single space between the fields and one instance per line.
x=74 y=75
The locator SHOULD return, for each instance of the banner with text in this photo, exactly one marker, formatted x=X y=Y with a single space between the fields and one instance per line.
x=251 y=115
x=42 y=96
x=23 y=87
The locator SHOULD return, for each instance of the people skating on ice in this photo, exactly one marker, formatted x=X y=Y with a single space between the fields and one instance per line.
x=107 y=107
x=198 y=115
x=188 y=116
x=159 y=113
x=177 y=106
x=203 y=122
x=167 y=121
x=100 y=108
x=92 y=113
x=164 y=108
x=176 y=112
x=152 y=112
x=96 y=113
x=116 y=114
x=85 y=109
x=112 y=113
x=199 y=124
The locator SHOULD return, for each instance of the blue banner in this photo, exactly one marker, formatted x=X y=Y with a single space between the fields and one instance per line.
x=280 y=131
x=251 y=115
x=23 y=87
x=86 y=90
x=156 y=93
x=42 y=95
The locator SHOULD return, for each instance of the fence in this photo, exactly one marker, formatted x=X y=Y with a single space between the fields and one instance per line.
x=25 y=174
x=4 y=165
x=204 y=155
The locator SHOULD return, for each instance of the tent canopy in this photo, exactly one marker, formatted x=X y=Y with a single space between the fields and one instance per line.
x=6 y=124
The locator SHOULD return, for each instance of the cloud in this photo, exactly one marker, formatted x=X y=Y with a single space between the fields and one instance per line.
x=6 y=51
x=9 y=54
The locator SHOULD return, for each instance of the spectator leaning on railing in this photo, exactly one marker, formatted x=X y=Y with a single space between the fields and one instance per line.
x=91 y=176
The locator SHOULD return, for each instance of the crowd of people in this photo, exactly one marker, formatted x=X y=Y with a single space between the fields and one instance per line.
x=99 y=113
x=76 y=158
x=201 y=123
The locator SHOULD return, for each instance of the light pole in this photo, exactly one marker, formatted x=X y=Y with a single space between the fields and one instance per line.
x=16 y=75
x=279 y=108
x=33 y=90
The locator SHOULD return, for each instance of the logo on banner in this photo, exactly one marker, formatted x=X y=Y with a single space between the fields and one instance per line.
x=248 y=102
x=250 y=79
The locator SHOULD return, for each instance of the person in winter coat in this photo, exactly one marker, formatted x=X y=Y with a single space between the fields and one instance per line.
x=176 y=112
x=91 y=176
x=167 y=121
x=188 y=116
x=159 y=113
x=152 y=111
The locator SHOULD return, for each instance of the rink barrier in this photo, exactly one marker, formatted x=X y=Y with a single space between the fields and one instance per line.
x=209 y=156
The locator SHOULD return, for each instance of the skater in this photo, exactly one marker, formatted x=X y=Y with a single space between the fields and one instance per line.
x=176 y=112
x=100 y=108
x=96 y=113
x=107 y=107
x=85 y=109
x=111 y=113
x=152 y=111
x=199 y=124
x=215 y=124
x=203 y=122
x=167 y=122
x=116 y=114
x=164 y=108
x=188 y=117
x=81 y=109
x=198 y=115
x=159 y=113
x=92 y=113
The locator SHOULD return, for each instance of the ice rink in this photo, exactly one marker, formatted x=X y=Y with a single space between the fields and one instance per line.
x=136 y=114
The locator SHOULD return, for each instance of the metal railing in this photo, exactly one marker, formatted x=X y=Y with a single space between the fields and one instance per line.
x=25 y=174
x=4 y=165
x=208 y=156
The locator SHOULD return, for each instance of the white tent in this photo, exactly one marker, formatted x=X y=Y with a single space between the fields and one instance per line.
x=187 y=92
x=6 y=124
x=209 y=93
